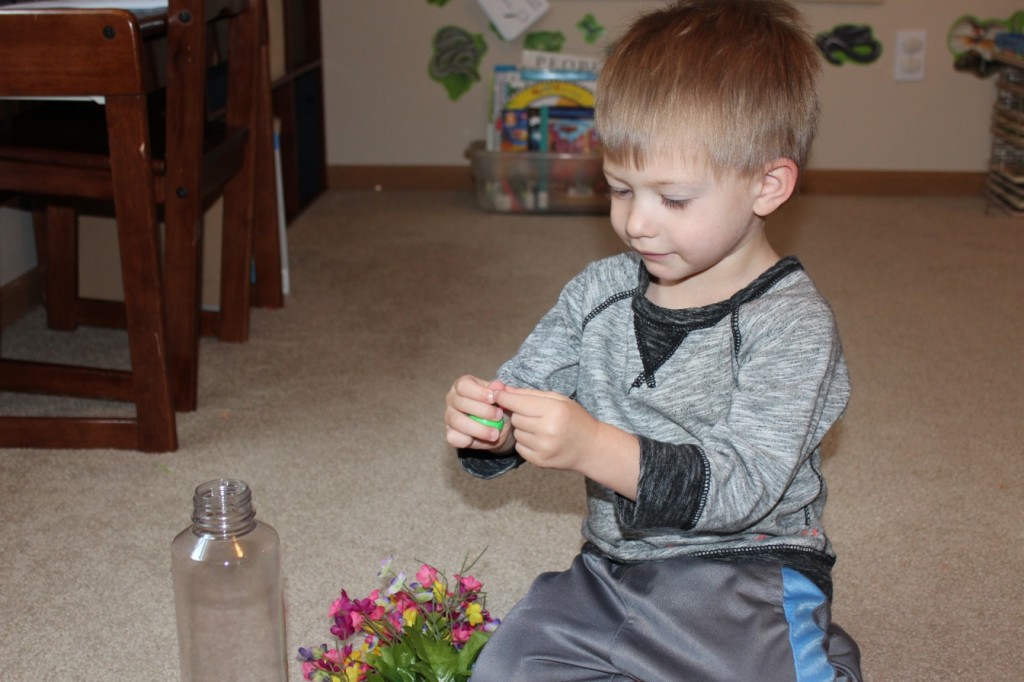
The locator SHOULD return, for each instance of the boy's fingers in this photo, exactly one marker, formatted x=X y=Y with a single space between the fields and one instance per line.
x=457 y=439
x=473 y=388
x=520 y=399
x=536 y=393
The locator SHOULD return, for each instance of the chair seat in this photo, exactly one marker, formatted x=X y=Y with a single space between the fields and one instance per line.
x=71 y=137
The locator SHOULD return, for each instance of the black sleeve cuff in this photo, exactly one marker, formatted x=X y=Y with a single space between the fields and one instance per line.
x=671 y=490
x=483 y=464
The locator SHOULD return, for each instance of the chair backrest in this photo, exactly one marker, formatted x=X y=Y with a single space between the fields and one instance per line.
x=70 y=52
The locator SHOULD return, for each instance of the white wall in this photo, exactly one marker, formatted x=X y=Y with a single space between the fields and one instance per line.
x=383 y=109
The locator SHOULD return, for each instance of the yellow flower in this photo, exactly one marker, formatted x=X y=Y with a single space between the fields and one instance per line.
x=351 y=675
x=409 y=616
x=473 y=614
x=438 y=591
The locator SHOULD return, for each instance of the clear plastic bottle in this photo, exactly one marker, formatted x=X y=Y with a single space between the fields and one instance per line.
x=227 y=590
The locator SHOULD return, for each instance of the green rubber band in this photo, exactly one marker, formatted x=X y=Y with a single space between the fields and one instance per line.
x=488 y=422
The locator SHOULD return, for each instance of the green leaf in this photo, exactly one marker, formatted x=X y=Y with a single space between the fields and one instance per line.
x=1016 y=22
x=548 y=41
x=469 y=653
x=457 y=85
x=394 y=663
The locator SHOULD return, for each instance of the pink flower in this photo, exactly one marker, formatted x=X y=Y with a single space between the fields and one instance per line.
x=377 y=613
x=355 y=619
x=341 y=605
x=394 y=619
x=426 y=575
x=342 y=629
x=461 y=633
x=403 y=602
x=450 y=612
x=469 y=584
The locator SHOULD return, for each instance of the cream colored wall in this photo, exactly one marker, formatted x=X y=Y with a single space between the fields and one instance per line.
x=383 y=109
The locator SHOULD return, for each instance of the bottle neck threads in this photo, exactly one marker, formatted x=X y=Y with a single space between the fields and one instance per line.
x=223 y=508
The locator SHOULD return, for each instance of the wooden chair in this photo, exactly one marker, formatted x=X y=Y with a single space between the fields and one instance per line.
x=231 y=156
x=96 y=53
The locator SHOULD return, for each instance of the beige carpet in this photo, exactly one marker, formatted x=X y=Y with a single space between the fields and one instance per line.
x=332 y=413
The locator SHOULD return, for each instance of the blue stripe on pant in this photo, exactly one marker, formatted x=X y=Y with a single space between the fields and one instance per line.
x=801 y=598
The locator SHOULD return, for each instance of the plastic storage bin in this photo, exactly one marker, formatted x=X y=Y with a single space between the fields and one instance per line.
x=538 y=182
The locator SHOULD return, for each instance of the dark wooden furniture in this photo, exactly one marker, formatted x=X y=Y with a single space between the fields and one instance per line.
x=299 y=105
x=202 y=156
x=203 y=152
x=99 y=52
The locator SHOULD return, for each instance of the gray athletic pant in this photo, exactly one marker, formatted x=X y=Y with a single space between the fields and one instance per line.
x=677 y=620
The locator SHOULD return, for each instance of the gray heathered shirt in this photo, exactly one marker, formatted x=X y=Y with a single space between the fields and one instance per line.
x=730 y=403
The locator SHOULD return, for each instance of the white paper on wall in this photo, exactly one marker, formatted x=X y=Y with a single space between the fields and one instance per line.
x=512 y=17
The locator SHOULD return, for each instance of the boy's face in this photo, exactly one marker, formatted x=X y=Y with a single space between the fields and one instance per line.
x=699 y=236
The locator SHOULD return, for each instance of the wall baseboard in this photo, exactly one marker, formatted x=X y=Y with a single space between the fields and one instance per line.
x=19 y=296
x=893 y=183
x=855 y=182
x=437 y=178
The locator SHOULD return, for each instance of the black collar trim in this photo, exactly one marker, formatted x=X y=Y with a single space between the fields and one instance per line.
x=660 y=331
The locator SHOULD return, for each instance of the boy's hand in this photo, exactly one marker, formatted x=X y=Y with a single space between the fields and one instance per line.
x=556 y=432
x=551 y=430
x=472 y=395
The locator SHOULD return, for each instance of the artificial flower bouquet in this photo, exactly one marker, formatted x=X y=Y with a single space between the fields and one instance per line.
x=428 y=629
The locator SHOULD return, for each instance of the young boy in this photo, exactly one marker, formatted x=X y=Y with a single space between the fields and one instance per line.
x=690 y=380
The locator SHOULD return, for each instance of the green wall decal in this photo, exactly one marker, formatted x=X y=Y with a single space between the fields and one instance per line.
x=971 y=41
x=546 y=41
x=849 y=43
x=592 y=31
x=455 y=63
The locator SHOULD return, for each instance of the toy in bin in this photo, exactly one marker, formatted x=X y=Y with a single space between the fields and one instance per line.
x=565 y=130
x=515 y=130
x=537 y=182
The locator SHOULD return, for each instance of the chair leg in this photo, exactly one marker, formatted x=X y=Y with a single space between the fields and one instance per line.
x=239 y=195
x=61 y=276
x=183 y=275
x=135 y=205
x=183 y=204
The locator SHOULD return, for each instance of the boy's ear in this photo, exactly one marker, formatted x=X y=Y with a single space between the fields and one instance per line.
x=777 y=185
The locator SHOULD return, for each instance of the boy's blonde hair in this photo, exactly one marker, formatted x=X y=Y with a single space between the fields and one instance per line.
x=729 y=83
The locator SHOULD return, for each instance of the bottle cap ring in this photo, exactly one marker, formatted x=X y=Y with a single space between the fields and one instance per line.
x=489 y=422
